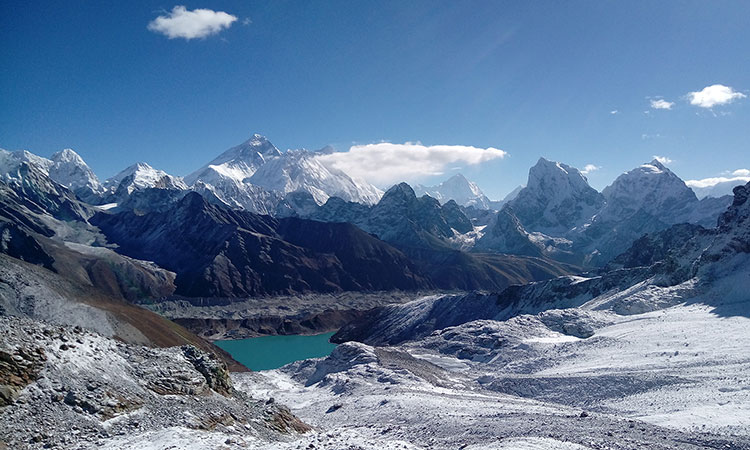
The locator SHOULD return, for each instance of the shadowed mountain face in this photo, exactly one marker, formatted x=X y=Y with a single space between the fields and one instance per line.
x=219 y=252
x=421 y=228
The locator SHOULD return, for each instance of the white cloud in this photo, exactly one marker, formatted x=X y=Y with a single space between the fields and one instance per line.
x=661 y=104
x=713 y=95
x=588 y=168
x=713 y=181
x=198 y=23
x=662 y=159
x=718 y=186
x=384 y=163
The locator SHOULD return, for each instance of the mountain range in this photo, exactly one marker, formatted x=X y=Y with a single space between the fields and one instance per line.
x=556 y=215
x=544 y=310
x=559 y=215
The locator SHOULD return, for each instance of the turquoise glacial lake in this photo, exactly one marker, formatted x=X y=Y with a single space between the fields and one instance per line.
x=272 y=352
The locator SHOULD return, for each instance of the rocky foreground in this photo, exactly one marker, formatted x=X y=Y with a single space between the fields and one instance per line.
x=64 y=387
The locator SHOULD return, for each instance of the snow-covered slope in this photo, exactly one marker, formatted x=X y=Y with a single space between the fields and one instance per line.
x=300 y=170
x=65 y=167
x=142 y=176
x=237 y=163
x=70 y=170
x=255 y=176
x=644 y=357
x=651 y=188
x=458 y=188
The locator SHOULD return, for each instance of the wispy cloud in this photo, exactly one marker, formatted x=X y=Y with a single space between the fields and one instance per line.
x=718 y=186
x=663 y=159
x=714 y=95
x=713 y=181
x=588 y=168
x=661 y=104
x=384 y=163
x=198 y=23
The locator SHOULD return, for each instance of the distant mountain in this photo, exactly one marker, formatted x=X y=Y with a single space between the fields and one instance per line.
x=559 y=214
x=556 y=199
x=141 y=176
x=706 y=265
x=255 y=176
x=237 y=163
x=65 y=167
x=300 y=170
x=512 y=194
x=644 y=200
x=457 y=188
x=424 y=230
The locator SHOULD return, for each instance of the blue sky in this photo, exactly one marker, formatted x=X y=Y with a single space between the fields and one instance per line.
x=531 y=78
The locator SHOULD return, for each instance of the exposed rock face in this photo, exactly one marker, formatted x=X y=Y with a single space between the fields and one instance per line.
x=654 y=247
x=76 y=380
x=506 y=234
x=17 y=370
x=556 y=199
x=28 y=188
x=567 y=220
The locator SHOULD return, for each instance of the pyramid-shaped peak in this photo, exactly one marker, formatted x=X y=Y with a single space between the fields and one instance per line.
x=66 y=155
x=400 y=191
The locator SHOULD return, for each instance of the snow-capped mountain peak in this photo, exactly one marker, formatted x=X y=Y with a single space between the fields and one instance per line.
x=557 y=198
x=301 y=170
x=237 y=163
x=65 y=167
x=142 y=176
x=650 y=187
x=457 y=188
x=70 y=170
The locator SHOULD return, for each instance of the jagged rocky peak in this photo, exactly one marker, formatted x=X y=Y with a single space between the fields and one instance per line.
x=400 y=196
x=556 y=198
x=546 y=175
x=458 y=188
x=733 y=226
x=652 y=188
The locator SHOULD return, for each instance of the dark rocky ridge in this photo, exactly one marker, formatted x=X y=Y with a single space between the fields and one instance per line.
x=220 y=252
